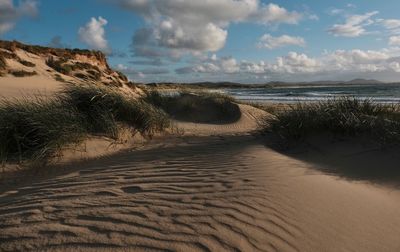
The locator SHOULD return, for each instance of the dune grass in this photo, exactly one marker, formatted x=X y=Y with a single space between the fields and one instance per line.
x=22 y=73
x=195 y=106
x=36 y=129
x=103 y=107
x=339 y=117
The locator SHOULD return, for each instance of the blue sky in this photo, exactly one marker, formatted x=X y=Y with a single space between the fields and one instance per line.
x=248 y=41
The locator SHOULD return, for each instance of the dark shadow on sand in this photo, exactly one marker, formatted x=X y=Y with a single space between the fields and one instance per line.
x=356 y=159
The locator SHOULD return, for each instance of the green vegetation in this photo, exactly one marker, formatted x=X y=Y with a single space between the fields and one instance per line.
x=199 y=107
x=26 y=63
x=103 y=107
x=94 y=74
x=339 y=117
x=59 y=65
x=37 y=129
x=22 y=73
x=59 y=78
x=3 y=63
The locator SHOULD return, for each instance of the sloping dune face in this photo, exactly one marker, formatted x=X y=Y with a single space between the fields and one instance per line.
x=226 y=192
x=27 y=70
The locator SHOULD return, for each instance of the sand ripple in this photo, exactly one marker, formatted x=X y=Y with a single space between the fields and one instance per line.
x=157 y=200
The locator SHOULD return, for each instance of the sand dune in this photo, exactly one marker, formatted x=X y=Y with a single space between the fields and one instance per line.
x=226 y=192
x=12 y=87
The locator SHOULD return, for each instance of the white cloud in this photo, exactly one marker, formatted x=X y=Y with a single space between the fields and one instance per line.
x=338 y=63
x=195 y=27
x=93 y=34
x=270 y=42
x=335 y=11
x=391 y=25
x=394 y=41
x=10 y=13
x=313 y=17
x=273 y=13
x=354 y=25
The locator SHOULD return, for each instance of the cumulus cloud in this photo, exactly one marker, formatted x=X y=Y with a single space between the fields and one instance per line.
x=273 y=13
x=391 y=25
x=291 y=63
x=295 y=65
x=10 y=13
x=134 y=73
x=93 y=34
x=354 y=25
x=227 y=65
x=270 y=42
x=186 y=26
x=394 y=41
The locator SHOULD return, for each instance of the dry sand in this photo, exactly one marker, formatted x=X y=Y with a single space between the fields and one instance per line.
x=12 y=87
x=218 y=188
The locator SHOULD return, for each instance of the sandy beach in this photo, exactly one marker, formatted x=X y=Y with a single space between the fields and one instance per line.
x=192 y=172
x=214 y=188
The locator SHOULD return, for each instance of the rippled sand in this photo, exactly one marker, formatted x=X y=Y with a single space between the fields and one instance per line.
x=227 y=192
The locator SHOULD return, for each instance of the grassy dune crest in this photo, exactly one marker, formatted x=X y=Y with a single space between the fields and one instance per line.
x=198 y=107
x=340 y=117
x=37 y=129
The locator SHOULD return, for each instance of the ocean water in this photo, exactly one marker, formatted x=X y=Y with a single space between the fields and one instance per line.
x=382 y=93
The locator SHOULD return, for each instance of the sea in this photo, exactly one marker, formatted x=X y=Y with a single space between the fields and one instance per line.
x=380 y=93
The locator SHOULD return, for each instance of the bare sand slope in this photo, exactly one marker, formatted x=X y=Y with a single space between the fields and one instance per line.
x=210 y=193
x=248 y=122
x=13 y=87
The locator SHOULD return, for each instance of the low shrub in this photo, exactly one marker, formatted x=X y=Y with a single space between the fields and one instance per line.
x=200 y=107
x=26 y=63
x=340 y=117
x=59 y=65
x=59 y=78
x=22 y=73
x=3 y=63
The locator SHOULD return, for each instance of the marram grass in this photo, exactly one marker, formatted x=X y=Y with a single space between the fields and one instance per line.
x=36 y=129
x=341 y=117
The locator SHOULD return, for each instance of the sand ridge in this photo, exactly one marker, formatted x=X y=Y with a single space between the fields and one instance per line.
x=224 y=191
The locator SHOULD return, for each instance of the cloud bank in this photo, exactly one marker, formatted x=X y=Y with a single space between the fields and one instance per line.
x=10 y=13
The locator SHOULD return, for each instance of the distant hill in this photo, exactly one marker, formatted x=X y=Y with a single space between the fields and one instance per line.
x=363 y=81
x=271 y=84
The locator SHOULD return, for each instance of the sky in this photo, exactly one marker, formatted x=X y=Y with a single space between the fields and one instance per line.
x=247 y=41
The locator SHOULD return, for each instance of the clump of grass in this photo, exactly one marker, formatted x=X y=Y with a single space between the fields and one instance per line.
x=37 y=129
x=59 y=65
x=81 y=76
x=339 y=117
x=22 y=73
x=103 y=107
x=27 y=63
x=200 y=107
x=94 y=74
x=59 y=78
x=3 y=63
